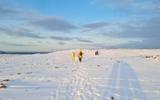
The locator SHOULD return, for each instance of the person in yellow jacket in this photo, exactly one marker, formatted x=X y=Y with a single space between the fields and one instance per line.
x=73 y=56
x=80 y=55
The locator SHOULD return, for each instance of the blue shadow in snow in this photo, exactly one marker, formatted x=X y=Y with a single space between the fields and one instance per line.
x=123 y=84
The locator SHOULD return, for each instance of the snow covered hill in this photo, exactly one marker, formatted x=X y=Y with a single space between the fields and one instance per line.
x=112 y=75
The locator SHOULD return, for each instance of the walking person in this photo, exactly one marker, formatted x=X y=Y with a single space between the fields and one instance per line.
x=73 y=56
x=80 y=55
x=96 y=53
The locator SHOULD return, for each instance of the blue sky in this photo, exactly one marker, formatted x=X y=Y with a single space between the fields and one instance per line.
x=47 y=25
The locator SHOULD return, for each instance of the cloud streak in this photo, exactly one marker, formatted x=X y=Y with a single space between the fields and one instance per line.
x=83 y=40
x=144 y=29
x=61 y=38
x=144 y=44
x=132 y=7
x=95 y=25
x=16 y=44
x=22 y=32
x=19 y=32
x=54 y=24
x=70 y=39
x=147 y=30
x=61 y=43
x=8 y=12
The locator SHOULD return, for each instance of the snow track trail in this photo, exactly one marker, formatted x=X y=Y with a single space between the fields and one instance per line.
x=79 y=87
x=81 y=84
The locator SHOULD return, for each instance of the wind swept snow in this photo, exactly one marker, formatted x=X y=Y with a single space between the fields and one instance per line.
x=112 y=75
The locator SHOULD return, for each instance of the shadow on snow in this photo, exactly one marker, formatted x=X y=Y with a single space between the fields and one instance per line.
x=123 y=84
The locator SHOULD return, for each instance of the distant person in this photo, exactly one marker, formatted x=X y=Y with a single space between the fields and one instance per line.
x=96 y=53
x=80 y=55
x=73 y=56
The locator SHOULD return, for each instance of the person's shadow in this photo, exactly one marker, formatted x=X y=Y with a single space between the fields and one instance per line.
x=123 y=84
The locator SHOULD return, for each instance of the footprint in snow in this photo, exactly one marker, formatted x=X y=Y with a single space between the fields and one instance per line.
x=56 y=67
x=29 y=73
x=112 y=98
x=18 y=73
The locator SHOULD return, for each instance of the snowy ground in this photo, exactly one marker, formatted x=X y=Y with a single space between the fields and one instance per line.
x=113 y=75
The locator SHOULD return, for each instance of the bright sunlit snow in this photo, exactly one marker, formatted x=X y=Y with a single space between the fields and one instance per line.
x=112 y=75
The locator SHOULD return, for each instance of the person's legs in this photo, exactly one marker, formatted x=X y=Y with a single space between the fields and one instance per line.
x=80 y=59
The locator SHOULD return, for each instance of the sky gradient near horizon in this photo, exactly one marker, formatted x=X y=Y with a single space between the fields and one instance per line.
x=47 y=25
